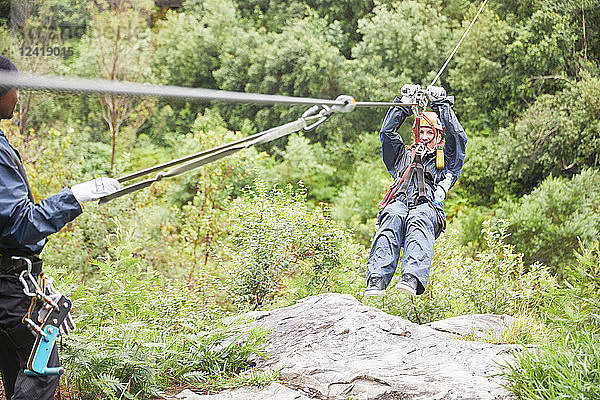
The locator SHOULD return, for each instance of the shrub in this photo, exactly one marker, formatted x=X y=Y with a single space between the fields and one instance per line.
x=138 y=332
x=569 y=369
x=547 y=225
x=579 y=307
x=283 y=248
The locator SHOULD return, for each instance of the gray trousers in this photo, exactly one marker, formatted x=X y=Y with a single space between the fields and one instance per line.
x=403 y=227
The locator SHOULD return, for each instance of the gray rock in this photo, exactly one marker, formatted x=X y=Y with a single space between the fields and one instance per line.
x=475 y=325
x=273 y=391
x=331 y=346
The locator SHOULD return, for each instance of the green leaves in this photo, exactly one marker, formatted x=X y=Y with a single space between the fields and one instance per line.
x=569 y=369
x=138 y=331
x=408 y=39
x=548 y=224
x=294 y=62
x=284 y=248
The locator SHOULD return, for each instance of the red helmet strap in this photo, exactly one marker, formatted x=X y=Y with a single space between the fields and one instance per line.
x=417 y=128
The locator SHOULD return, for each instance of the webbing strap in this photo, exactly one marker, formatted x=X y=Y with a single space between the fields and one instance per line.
x=401 y=187
x=404 y=187
x=214 y=154
x=420 y=178
x=392 y=190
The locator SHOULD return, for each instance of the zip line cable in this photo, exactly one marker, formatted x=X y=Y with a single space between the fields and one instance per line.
x=458 y=44
x=321 y=110
x=123 y=88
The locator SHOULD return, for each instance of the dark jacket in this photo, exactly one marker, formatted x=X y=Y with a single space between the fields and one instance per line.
x=25 y=225
x=396 y=156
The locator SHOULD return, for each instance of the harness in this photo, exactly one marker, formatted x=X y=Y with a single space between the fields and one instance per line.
x=418 y=150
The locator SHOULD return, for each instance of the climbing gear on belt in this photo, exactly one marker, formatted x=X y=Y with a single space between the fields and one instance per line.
x=10 y=266
x=54 y=310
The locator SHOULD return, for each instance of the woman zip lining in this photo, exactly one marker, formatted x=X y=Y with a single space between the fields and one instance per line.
x=412 y=213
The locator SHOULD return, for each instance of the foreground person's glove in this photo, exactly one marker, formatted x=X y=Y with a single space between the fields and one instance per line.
x=94 y=189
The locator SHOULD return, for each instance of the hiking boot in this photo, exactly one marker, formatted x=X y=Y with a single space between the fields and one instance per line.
x=375 y=286
x=408 y=284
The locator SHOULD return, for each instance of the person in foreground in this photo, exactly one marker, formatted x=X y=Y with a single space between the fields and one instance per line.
x=412 y=212
x=24 y=226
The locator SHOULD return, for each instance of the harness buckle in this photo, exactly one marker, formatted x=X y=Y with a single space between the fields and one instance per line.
x=420 y=149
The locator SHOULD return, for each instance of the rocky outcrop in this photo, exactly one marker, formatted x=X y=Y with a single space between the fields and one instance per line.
x=331 y=346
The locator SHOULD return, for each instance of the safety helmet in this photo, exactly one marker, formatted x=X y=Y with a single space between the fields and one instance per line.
x=430 y=119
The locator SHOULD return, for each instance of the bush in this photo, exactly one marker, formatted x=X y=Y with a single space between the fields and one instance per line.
x=547 y=225
x=308 y=163
x=558 y=135
x=138 y=332
x=579 y=307
x=566 y=370
x=284 y=250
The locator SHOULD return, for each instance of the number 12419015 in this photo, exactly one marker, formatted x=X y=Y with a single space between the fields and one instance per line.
x=46 y=51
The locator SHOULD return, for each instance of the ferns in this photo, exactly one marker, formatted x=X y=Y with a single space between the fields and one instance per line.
x=138 y=332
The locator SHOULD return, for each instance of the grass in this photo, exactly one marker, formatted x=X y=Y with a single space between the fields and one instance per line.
x=567 y=369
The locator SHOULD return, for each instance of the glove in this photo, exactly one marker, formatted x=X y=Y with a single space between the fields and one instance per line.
x=410 y=89
x=409 y=92
x=94 y=189
x=436 y=93
x=439 y=195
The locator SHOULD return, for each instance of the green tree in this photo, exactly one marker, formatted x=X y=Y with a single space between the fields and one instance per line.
x=508 y=61
x=186 y=54
x=295 y=62
x=408 y=38
x=478 y=77
x=118 y=47
x=558 y=134
x=548 y=224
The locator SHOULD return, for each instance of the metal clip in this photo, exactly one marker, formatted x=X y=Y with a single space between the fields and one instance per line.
x=324 y=115
x=415 y=94
x=51 y=316
x=420 y=149
x=37 y=293
x=350 y=104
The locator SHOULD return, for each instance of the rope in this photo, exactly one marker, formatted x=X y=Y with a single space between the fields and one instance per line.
x=458 y=45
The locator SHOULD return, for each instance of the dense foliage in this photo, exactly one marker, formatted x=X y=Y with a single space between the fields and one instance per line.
x=154 y=274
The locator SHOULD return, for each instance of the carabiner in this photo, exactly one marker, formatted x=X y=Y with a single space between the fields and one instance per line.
x=324 y=115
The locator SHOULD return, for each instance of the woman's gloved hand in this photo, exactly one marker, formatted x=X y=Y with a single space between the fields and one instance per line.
x=435 y=93
x=439 y=195
x=94 y=189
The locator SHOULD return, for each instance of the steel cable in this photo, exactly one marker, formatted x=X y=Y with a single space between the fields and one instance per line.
x=458 y=45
